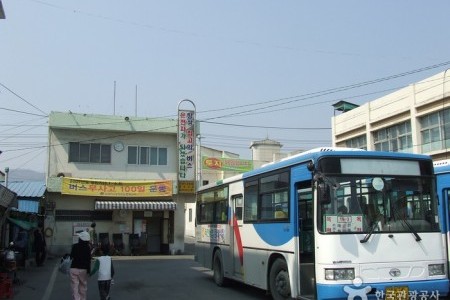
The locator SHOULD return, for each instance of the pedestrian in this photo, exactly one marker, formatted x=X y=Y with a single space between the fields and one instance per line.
x=21 y=244
x=40 y=246
x=105 y=268
x=80 y=268
x=93 y=234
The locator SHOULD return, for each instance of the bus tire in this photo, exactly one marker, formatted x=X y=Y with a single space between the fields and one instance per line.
x=280 y=287
x=218 y=274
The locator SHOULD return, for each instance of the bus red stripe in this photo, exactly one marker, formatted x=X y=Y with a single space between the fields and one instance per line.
x=237 y=234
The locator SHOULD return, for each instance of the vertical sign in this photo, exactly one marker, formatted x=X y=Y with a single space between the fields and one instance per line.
x=186 y=151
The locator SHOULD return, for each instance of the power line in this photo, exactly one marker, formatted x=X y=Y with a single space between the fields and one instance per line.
x=21 y=98
x=22 y=112
x=325 y=92
x=268 y=127
x=308 y=96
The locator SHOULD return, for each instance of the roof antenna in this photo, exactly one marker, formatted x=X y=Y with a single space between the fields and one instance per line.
x=114 y=99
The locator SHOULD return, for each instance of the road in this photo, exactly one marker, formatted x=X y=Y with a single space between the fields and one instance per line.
x=159 y=277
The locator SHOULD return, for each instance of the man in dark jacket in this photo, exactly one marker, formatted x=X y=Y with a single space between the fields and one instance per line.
x=40 y=246
x=81 y=266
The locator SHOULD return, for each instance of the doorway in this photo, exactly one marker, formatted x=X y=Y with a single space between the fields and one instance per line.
x=154 y=225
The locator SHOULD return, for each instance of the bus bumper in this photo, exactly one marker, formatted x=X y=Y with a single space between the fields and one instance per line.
x=430 y=289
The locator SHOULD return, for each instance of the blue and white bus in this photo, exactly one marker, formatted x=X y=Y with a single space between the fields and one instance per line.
x=329 y=223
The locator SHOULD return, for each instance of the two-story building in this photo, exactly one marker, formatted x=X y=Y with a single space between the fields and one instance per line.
x=119 y=173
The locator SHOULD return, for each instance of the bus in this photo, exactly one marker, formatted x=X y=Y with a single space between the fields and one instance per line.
x=329 y=223
x=442 y=172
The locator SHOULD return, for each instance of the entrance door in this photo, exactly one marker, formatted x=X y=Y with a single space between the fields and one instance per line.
x=154 y=234
x=235 y=234
x=306 y=239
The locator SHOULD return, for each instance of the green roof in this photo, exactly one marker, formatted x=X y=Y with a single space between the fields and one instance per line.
x=344 y=106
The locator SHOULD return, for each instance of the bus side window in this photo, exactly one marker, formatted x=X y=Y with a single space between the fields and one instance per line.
x=221 y=211
x=237 y=200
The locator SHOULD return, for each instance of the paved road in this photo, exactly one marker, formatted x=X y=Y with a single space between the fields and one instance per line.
x=149 y=277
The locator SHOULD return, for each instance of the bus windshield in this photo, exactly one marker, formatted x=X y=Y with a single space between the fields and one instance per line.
x=376 y=204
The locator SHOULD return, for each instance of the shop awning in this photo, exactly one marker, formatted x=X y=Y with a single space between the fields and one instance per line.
x=23 y=224
x=135 y=205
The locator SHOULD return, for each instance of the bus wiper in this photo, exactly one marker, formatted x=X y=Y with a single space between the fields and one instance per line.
x=411 y=229
x=372 y=229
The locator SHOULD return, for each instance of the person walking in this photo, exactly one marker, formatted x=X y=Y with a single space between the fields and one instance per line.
x=80 y=268
x=40 y=246
x=21 y=244
x=93 y=235
x=105 y=268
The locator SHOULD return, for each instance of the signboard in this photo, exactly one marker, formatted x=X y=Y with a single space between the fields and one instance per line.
x=186 y=145
x=106 y=188
x=186 y=150
x=227 y=164
x=343 y=223
x=186 y=187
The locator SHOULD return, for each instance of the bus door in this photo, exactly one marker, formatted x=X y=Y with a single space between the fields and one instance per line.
x=306 y=238
x=445 y=204
x=235 y=234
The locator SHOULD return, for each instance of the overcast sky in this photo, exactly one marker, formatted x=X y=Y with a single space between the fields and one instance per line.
x=260 y=68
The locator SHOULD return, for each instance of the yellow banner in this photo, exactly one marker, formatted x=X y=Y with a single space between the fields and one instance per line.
x=106 y=188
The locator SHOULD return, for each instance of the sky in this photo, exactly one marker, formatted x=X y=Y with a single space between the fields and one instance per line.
x=255 y=69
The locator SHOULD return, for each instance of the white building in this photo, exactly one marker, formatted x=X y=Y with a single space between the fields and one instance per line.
x=119 y=172
x=413 y=119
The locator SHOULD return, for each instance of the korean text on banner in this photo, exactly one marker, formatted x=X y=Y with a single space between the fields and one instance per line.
x=105 y=188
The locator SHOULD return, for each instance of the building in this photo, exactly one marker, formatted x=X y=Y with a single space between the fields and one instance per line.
x=266 y=151
x=413 y=119
x=7 y=199
x=25 y=215
x=119 y=173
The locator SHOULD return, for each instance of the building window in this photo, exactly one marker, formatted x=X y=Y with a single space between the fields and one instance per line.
x=397 y=138
x=359 y=142
x=89 y=152
x=140 y=155
x=435 y=131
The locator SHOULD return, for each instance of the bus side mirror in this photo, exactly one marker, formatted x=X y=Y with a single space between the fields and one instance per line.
x=323 y=192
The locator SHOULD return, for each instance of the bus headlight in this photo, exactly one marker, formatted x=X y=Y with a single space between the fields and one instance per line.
x=340 y=274
x=436 y=269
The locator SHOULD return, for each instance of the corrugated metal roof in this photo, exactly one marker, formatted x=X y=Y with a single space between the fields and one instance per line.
x=27 y=188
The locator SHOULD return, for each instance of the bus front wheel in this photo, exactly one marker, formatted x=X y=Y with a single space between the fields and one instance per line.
x=280 y=287
x=218 y=275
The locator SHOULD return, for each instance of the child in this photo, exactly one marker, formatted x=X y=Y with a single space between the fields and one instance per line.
x=105 y=268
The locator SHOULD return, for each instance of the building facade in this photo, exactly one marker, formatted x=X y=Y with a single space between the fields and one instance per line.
x=115 y=176
x=413 y=119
